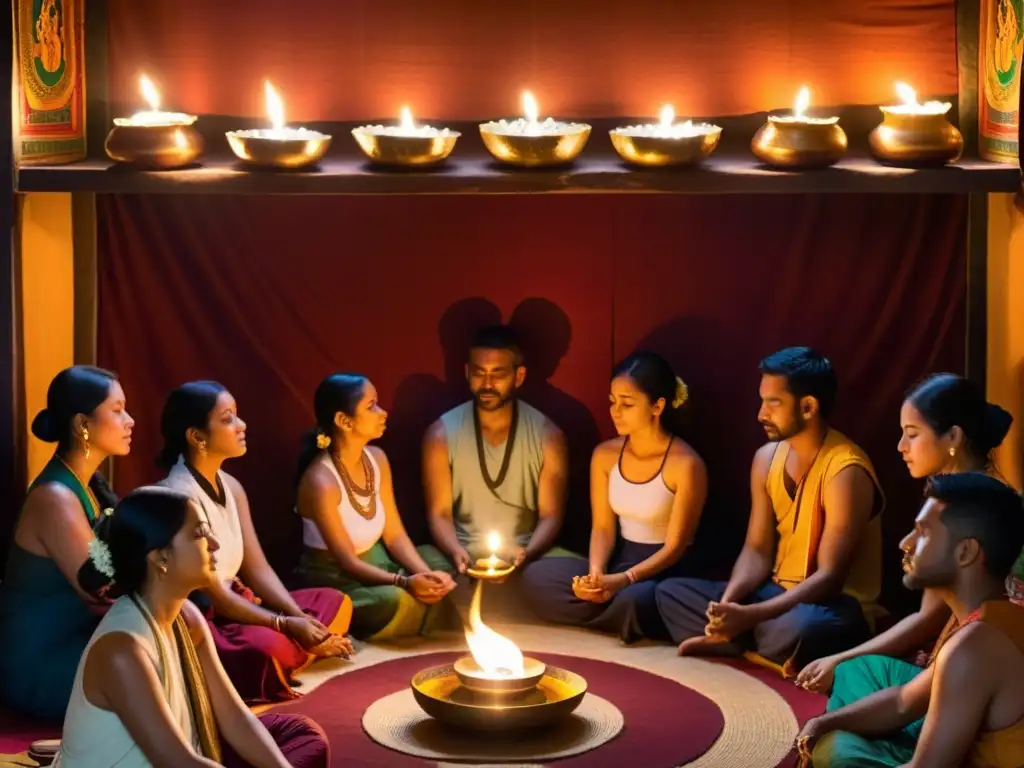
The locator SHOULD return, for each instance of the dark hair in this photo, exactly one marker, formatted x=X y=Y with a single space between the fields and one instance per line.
x=80 y=389
x=808 y=374
x=187 y=407
x=653 y=375
x=946 y=400
x=978 y=506
x=498 y=337
x=339 y=392
x=146 y=519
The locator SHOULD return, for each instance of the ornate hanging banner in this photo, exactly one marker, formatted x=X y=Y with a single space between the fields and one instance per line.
x=1002 y=38
x=51 y=81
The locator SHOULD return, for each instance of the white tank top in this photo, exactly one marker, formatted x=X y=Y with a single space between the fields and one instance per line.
x=223 y=518
x=643 y=509
x=363 y=533
x=96 y=738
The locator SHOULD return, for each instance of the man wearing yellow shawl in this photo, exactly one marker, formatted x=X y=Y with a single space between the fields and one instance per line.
x=964 y=543
x=806 y=582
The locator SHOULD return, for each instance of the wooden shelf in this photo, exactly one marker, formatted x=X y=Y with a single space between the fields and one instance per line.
x=724 y=173
x=732 y=169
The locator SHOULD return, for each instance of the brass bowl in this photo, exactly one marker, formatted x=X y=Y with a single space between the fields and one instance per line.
x=441 y=694
x=915 y=140
x=496 y=575
x=257 y=149
x=535 y=151
x=474 y=678
x=404 y=151
x=786 y=143
x=661 y=151
x=156 y=147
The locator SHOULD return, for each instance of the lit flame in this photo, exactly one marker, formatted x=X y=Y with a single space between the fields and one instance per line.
x=668 y=115
x=149 y=93
x=493 y=542
x=406 y=119
x=803 y=101
x=908 y=94
x=530 y=110
x=275 y=107
x=495 y=654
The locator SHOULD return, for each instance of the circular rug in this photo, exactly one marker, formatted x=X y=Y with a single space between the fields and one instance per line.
x=397 y=722
x=666 y=723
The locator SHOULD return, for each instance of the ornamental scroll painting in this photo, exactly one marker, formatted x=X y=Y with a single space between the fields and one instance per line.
x=51 y=81
x=1002 y=40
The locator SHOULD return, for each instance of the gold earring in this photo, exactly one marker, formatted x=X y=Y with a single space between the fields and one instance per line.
x=952 y=451
x=202 y=447
x=85 y=441
x=163 y=568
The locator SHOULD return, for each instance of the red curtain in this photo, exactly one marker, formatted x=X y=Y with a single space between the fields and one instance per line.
x=269 y=294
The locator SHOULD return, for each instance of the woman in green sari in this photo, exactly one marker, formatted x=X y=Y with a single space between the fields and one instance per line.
x=352 y=532
x=947 y=427
x=46 y=619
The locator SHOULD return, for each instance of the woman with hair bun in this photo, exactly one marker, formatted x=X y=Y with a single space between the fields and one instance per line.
x=264 y=633
x=45 y=618
x=352 y=531
x=947 y=427
x=149 y=689
x=650 y=485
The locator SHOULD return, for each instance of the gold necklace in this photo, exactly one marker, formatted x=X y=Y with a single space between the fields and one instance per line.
x=85 y=486
x=369 y=511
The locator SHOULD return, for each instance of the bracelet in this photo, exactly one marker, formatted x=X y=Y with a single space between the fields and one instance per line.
x=631 y=576
x=275 y=622
x=400 y=581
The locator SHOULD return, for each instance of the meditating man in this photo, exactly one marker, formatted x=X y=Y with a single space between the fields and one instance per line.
x=964 y=543
x=494 y=464
x=810 y=569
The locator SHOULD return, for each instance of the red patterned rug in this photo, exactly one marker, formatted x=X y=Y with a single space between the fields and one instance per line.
x=667 y=724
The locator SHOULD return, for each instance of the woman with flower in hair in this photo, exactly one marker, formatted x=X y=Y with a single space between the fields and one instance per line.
x=264 y=633
x=353 y=534
x=647 y=492
x=45 y=618
x=149 y=688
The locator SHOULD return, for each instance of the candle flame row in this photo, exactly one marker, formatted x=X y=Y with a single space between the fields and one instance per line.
x=275 y=106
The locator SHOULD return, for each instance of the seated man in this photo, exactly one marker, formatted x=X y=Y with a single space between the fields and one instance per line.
x=964 y=543
x=812 y=555
x=494 y=465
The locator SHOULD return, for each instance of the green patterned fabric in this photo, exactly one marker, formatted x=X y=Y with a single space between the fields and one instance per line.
x=379 y=611
x=854 y=680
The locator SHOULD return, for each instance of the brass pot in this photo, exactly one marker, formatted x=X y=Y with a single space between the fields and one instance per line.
x=257 y=149
x=783 y=142
x=404 y=151
x=441 y=695
x=915 y=139
x=661 y=151
x=474 y=678
x=535 y=151
x=154 y=147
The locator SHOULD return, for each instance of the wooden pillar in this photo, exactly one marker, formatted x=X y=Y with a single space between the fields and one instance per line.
x=11 y=465
x=1006 y=326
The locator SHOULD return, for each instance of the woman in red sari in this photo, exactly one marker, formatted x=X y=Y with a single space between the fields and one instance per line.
x=264 y=634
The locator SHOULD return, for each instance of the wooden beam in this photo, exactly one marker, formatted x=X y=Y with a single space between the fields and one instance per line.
x=968 y=16
x=11 y=464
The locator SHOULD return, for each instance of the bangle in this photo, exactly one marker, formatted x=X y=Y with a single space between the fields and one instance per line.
x=275 y=622
x=631 y=576
x=400 y=581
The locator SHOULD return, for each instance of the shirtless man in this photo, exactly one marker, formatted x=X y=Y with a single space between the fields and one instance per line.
x=964 y=543
x=811 y=564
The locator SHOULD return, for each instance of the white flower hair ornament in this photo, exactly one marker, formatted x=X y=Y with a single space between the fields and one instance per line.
x=99 y=556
